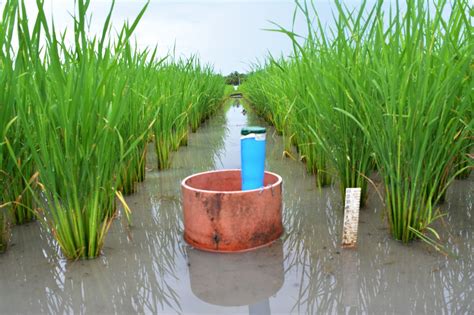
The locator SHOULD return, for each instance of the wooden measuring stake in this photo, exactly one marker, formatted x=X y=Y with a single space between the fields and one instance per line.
x=351 y=217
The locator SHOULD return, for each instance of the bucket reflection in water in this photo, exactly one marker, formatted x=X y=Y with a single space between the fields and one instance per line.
x=237 y=279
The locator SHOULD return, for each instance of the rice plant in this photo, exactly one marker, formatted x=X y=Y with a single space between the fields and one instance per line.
x=4 y=231
x=6 y=117
x=78 y=119
x=395 y=88
x=464 y=165
x=188 y=94
x=138 y=98
x=15 y=198
x=71 y=108
x=411 y=117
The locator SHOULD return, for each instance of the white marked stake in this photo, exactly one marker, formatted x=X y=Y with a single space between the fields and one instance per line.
x=351 y=217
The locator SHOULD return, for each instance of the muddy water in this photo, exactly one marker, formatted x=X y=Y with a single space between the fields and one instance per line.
x=147 y=268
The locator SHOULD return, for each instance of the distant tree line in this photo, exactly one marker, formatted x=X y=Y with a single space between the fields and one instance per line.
x=234 y=78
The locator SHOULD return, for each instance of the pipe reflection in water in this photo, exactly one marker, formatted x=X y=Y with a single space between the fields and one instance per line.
x=248 y=278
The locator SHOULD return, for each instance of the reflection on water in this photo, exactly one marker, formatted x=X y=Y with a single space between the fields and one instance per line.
x=236 y=280
x=147 y=268
x=228 y=157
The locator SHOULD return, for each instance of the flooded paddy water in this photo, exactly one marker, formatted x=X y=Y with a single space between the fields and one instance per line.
x=148 y=268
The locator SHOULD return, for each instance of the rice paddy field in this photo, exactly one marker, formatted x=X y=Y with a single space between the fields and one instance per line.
x=97 y=134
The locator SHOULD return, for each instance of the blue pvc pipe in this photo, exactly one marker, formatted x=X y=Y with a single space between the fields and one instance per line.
x=252 y=154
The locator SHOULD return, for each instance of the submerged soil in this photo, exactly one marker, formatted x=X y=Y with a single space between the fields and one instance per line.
x=148 y=268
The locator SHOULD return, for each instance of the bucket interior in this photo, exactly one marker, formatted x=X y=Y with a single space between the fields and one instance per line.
x=223 y=181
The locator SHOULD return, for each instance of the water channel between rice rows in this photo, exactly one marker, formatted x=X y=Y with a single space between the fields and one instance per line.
x=148 y=268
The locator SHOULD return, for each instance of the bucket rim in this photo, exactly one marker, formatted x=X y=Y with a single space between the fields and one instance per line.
x=268 y=187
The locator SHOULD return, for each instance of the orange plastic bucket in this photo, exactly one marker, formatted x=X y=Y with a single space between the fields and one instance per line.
x=219 y=216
